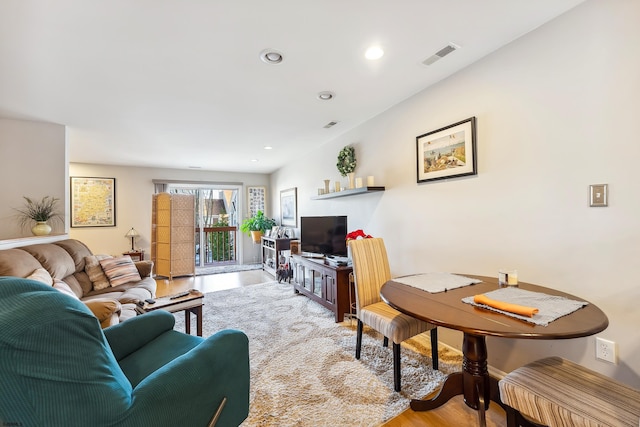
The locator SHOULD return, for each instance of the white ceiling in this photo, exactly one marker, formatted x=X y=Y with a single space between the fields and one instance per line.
x=179 y=83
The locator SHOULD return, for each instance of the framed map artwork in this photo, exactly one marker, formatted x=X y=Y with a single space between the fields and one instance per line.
x=257 y=200
x=93 y=202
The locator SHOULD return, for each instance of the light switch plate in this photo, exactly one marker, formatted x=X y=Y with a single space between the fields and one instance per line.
x=598 y=196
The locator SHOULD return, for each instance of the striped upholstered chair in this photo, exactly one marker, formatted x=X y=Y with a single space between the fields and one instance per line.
x=557 y=392
x=371 y=271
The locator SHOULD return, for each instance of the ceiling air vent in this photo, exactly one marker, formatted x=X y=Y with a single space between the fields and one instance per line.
x=330 y=124
x=441 y=54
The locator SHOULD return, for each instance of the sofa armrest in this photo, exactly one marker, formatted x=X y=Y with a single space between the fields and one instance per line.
x=127 y=337
x=198 y=380
x=144 y=268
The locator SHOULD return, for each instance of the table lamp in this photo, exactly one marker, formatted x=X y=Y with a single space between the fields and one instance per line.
x=132 y=234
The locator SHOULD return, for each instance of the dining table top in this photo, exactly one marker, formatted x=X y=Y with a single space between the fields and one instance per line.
x=447 y=309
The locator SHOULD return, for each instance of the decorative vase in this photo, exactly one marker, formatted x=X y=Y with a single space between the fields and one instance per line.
x=41 y=228
x=326 y=186
x=256 y=236
x=351 y=176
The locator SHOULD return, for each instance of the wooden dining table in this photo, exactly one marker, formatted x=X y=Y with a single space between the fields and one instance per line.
x=446 y=309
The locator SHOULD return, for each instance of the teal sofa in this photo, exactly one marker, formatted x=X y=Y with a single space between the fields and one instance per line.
x=59 y=368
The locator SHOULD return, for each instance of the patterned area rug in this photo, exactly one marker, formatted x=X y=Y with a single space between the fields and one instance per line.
x=303 y=367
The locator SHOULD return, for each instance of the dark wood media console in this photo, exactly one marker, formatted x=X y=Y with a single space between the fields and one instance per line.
x=325 y=284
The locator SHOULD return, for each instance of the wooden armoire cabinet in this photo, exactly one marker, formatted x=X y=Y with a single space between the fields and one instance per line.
x=173 y=235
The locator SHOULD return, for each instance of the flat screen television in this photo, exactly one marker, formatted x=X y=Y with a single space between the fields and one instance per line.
x=324 y=235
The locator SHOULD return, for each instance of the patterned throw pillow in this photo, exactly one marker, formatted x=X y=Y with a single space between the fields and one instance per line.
x=120 y=270
x=41 y=275
x=94 y=271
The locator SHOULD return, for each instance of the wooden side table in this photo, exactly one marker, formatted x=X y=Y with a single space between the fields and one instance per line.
x=135 y=255
x=191 y=303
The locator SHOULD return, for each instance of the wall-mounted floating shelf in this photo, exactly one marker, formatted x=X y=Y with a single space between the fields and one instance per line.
x=351 y=192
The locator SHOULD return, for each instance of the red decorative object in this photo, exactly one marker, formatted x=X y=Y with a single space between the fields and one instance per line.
x=358 y=233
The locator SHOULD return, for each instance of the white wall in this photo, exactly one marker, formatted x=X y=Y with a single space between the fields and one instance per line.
x=134 y=190
x=33 y=156
x=555 y=114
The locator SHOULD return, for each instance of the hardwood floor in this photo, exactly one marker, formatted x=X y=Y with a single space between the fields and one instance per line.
x=454 y=413
x=212 y=282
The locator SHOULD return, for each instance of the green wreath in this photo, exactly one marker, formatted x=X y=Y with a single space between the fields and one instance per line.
x=346 y=161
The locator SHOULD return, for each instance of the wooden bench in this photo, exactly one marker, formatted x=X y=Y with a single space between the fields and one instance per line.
x=558 y=392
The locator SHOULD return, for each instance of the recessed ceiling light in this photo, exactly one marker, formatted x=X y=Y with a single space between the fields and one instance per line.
x=374 y=52
x=254 y=160
x=271 y=56
x=268 y=147
x=326 y=95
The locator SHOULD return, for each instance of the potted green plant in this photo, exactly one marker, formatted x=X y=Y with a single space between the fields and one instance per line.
x=257 y=225
x=40 y=212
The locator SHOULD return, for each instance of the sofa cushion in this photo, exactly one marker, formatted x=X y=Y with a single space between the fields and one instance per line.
x=41 y=275
x=131 y=292
x=64 y=288
x=79 y=283
x=53 y=258
x=141 y=291
x=95 y=272
x=17 y=263
x=120 y=270
x=77 y=250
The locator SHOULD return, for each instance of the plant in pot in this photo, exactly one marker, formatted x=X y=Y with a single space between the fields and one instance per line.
x=41 y=212
x=257 y=225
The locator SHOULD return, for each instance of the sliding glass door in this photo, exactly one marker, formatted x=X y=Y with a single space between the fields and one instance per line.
x=216 y=223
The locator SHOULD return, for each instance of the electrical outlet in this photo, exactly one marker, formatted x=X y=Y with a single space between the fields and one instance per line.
x=606 y=350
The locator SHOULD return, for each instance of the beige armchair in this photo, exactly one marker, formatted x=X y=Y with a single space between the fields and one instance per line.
x=371 y=271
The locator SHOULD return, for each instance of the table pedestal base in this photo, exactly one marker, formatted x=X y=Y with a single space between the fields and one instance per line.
x=474 y=382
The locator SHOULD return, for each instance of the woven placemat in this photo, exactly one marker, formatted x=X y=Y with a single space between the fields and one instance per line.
x=551 y=307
